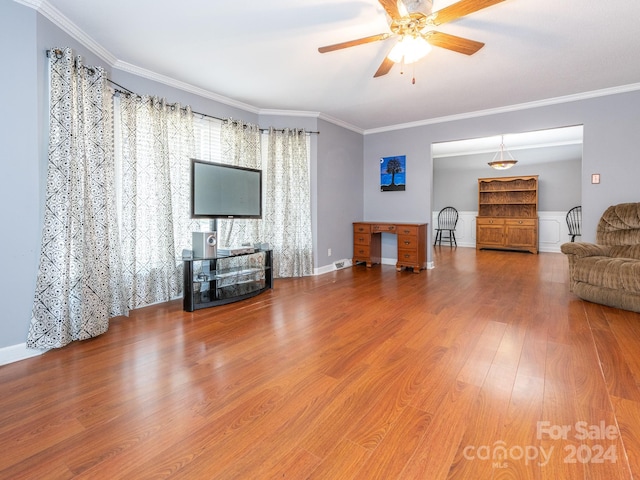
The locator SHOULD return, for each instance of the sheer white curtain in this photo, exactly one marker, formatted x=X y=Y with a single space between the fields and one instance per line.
x=77 y=286
x=287 y=217
x=157 y=142
x=286 y=222
x=89 y=270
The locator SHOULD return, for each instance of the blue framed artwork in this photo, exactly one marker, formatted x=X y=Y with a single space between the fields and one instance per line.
x=393 y=173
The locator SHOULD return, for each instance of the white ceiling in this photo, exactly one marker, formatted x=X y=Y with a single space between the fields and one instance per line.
x=263 y=55
x=555 y=137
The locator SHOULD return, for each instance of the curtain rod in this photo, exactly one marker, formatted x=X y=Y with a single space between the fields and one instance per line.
x=126 y=91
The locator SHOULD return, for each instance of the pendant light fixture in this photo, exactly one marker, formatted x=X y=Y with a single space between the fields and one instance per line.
x=499 y=161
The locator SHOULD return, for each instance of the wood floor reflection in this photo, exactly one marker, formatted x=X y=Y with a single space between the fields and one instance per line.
x=484 y=367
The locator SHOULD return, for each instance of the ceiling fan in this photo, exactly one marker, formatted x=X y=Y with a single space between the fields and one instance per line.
x=412 y=21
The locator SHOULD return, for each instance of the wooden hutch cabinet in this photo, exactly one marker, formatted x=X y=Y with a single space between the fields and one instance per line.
x=508 y=213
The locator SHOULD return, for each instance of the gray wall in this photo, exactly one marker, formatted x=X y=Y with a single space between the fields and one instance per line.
x=411 y=205
x=335 y=160
x=19 y=190
x=23 y=131
x=345 y=165
x=339 y=177
x=455 y=179
x=611 y=148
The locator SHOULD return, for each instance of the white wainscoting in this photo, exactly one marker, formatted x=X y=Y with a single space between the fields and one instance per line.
x=552 y=230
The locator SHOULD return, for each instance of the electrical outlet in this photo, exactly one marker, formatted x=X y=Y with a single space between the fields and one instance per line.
x=329 y=252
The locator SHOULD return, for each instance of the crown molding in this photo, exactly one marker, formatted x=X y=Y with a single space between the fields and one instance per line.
x=308 y=114
x=290 y=113
x=35 y=4
x=54 y=15
x=60 y=20
x=187 y=87
x=511 y=108
x=340 y=123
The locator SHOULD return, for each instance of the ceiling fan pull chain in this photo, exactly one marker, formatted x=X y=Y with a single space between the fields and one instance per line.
x=413 y=80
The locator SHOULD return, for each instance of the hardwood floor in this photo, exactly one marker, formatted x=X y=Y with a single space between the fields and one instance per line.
x=485 y=367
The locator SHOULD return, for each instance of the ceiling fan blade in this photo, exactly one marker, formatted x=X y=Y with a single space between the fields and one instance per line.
x=452 y=42
x=384 y=67
x=391 y=7
x=353 y=43
x=460 y=9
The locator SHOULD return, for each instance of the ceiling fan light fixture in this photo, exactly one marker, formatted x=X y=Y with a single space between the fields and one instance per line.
x=411 y=22
x=408 y=7
x=409 y=49
x=502 y=163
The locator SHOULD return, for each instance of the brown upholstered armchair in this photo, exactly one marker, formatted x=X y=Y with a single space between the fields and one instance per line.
x=608 y=272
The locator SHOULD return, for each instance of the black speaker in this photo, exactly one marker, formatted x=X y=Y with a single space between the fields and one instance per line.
x=205 y=244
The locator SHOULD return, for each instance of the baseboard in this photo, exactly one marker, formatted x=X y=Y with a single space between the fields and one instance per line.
x=388 y=261
x=15 y=353
x=324 y=269
x=332 y=267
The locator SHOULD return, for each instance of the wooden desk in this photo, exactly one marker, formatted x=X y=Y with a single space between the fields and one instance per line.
x=412 y=243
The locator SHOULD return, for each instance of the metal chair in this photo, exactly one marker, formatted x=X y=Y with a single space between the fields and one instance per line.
x=574 y=222
x=447 y=220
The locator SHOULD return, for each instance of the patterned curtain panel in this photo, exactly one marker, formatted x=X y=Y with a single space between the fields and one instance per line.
x=287 y=216
x=157 y=143
x=286 y=219
x=240 y=145
x=77 y=287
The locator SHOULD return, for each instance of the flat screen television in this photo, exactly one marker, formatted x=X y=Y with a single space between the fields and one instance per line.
x=225 y=191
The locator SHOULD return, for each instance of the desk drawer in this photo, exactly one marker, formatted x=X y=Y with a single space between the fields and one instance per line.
x=407 y=230
x=383 y=227
x=361 y=251
x=361 y=228
x=407 y=242
x=407 y=257
x=361 y=238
